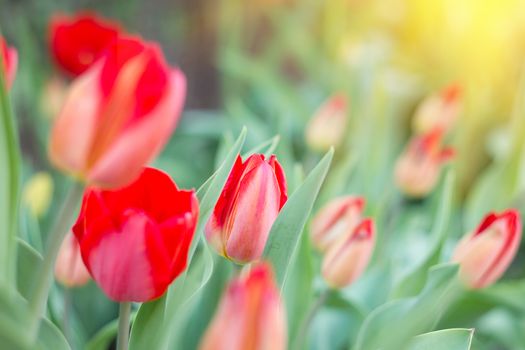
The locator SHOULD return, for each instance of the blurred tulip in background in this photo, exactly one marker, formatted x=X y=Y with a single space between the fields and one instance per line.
x=487 y=252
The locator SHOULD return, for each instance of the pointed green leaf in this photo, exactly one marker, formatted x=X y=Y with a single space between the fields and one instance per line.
x=288 y=227
x=450 y=339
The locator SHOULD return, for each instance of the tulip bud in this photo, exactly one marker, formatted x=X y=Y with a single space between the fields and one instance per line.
x=438 y=111
x=135 y=240
x=9 y=57
x=247 y=207
x=78 y=41
x=328 y=125
x=418 y=168
x=118 y=115
x=69 y=267
x=348 y=258
x=250 y=316
x=38 y=193
x=486 y=253
x=336 y=218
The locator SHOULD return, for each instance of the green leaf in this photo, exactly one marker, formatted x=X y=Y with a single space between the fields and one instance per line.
x=156 y=318
x=411 y=316
x=414 y=280
x=287 y=228
x=28 y=258
x=14 y=318
x=450 y=339
x=9 y=186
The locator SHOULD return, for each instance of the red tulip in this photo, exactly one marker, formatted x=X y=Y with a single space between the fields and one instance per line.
x=118 y=114
x=250 y=316
x=247 y=207
x=135 y=240
x=439 y=111
x=69 y=267
x=78 y=41
x=346 y=260
x=9 y=61
x=328 y=125
x=486 y=253
x=336 y=218
x=418 y=168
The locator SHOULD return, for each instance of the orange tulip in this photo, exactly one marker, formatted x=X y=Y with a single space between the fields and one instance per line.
x=336 y=218
x=250 y=316
x=485 y=253
x=418 y=168
x=328 y=125
x=346 y=260
x=439 y=111
x=69 y=267
x=9 y=61
x=118 y=114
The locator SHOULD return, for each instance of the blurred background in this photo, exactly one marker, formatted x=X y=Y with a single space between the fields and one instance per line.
x=269 y=65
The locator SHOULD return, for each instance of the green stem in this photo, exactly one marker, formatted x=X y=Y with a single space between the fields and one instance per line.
x=123 y=326
x=44 y=279
x=302 y=333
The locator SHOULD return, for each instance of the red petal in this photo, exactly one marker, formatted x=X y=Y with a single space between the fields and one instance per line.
x=78 y=41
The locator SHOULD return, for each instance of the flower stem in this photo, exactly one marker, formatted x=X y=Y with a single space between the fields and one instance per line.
x=123 y=325
x=44 y=279
x=302 y=333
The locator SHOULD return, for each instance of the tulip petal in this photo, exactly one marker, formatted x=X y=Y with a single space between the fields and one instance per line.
x=254 y=212
x=119 y=259
x=75 y=127
x=142 y=141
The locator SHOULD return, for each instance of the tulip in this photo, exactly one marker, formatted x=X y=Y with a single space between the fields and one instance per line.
x=70 y=270
x=9 y=57
x=135 y=240
x=438 y=111
x=250 y=315
x=336 y=218
x=346 y=260
x=328 y=125
x=484 y=254
x=418 y=168
x=247 y=207
x=38 y=193
x=78 y=41
x=118 y=115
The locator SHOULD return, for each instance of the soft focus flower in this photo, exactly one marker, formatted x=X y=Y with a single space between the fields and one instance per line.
x=9 y=62
x=485 y=253
x=70 y=270
x=347 y=259
x=418 y=168
x=118 y=114
x=134 y=241
x=334 y=219
x=78 y=41
x=37 y=193
x=247 y=207
x=328 y=125
x=250 y=316
x=53 y=96
x=438 y=111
